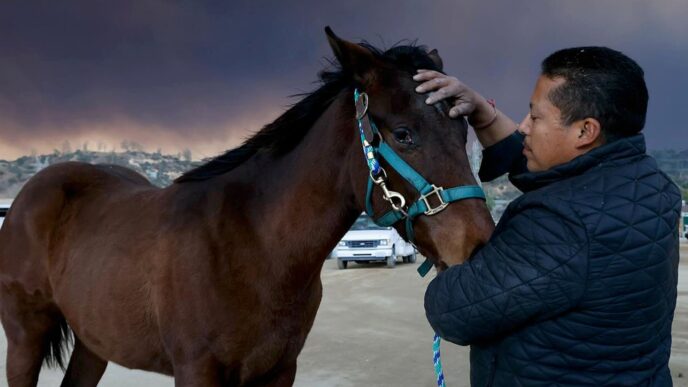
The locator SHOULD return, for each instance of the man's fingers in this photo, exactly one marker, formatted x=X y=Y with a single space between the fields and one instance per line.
x=462 y=109
x=426 y=75
x=432 y=84
x=443 y=93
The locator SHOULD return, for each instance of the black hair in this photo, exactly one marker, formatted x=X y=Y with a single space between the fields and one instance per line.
x=600 y=83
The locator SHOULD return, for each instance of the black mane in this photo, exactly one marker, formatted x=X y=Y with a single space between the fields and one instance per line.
x=282 y=135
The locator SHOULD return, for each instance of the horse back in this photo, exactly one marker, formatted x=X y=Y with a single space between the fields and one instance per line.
x=38 y=210
x=68 y=238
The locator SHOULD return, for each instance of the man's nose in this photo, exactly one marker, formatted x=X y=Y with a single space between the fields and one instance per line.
x=524 y=126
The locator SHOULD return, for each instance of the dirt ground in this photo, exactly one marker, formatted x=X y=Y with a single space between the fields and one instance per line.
x=371 y=331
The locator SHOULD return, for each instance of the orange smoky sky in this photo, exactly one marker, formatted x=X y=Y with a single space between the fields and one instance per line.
x=106 y=136
x=205 y=75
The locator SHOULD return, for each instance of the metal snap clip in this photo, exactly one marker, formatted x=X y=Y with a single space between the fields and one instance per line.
x=361 y=105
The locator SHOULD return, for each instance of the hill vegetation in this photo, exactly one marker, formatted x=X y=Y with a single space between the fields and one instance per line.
x=161 y=169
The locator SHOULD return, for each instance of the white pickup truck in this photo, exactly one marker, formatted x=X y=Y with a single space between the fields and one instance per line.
x=4 y=207
x=366 y=242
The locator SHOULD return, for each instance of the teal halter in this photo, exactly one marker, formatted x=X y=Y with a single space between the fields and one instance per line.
x=378 y=177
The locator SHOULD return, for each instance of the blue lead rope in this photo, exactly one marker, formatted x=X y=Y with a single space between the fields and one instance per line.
x=417 y=208
x=437 y=361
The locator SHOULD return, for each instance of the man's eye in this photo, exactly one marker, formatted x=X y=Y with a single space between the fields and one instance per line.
x=403 y=136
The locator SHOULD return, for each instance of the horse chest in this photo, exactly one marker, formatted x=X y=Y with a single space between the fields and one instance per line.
x=278 y=339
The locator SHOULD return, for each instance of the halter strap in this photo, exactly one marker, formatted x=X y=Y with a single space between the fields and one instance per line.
x=427 y=191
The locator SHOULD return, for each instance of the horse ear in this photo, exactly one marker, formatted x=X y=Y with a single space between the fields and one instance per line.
x=354 y=59
x=435 y=56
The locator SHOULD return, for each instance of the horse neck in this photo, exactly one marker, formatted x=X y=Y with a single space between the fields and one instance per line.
x=302 y=203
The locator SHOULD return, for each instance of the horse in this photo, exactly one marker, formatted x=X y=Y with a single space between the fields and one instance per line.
x=215 y=279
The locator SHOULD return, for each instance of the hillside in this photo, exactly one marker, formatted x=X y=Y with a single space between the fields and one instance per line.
x=160 y=169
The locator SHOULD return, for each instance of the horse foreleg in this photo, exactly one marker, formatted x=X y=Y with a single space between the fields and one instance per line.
x=198 y=373
x=285 y=378
x=85 y=368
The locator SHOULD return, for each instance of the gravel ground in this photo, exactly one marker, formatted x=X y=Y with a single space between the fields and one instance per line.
x=371 y=331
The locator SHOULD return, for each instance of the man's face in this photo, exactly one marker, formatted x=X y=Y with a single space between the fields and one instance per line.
x=547 y=141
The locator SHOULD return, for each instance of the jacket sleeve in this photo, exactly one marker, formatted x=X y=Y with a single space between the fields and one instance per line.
x=533 y=269
x=502 y=157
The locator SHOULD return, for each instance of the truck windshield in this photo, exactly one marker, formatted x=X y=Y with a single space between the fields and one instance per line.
x=365 y=223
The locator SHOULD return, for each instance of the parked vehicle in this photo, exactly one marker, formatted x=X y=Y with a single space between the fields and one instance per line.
x=4 y=207
x=367 y=242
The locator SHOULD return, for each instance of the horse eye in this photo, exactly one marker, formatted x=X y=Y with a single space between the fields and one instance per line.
x=403 y=136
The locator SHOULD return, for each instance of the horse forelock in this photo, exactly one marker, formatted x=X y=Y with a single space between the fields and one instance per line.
x=287 y=131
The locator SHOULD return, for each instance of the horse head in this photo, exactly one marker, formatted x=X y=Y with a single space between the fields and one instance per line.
x=433 y=145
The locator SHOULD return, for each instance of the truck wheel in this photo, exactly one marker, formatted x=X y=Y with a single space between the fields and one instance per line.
x=411 y=258
x=391 y=261
x=342 y=264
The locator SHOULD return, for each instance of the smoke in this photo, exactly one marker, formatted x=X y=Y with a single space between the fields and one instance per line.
x=203 y=75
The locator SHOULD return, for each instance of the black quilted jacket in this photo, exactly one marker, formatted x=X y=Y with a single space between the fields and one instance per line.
x=577 y=286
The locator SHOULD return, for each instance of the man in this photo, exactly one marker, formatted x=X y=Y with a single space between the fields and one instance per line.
x=577 y=285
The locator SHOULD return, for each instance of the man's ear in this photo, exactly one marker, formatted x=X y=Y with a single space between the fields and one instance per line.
x=589 y=133
x=355 y=60
x=435 y=56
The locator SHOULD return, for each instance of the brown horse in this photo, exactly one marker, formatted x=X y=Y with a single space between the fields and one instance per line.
x=216 y=279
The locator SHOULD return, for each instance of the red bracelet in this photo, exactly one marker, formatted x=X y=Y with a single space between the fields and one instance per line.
x=494 y=118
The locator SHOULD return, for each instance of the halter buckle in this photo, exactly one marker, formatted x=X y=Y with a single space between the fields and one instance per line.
x=435 y=191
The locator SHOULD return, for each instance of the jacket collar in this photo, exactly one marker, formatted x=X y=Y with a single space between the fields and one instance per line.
x=618 y=152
